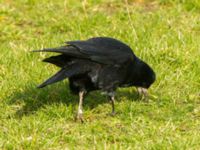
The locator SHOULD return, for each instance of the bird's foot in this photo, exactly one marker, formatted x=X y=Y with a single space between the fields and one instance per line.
x=112 y=114
x=79 y=117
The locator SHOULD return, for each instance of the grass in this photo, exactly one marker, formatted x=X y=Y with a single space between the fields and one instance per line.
x=164 y=33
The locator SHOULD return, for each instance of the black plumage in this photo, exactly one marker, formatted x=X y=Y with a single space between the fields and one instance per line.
x=100 y=63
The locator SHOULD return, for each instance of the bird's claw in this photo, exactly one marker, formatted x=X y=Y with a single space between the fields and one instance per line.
x=79 y=117
x=112 y=114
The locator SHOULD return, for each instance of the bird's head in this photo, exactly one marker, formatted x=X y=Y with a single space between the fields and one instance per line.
x=145 y=77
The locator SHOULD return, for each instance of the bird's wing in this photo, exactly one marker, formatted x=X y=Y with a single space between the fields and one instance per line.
x=104 y=50
x=101 y=49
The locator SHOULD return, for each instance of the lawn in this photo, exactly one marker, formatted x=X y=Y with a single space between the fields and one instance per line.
x=164 y=33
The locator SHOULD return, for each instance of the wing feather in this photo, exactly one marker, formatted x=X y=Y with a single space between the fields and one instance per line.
x=100 y=49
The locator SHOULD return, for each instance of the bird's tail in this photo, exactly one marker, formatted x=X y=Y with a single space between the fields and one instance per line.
x=60 y=60
x=69 y=67
x=64 y=73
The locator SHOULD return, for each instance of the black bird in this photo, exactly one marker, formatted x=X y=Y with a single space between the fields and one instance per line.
x=99 y=63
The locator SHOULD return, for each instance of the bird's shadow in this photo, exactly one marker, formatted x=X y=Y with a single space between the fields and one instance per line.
x=32 y=99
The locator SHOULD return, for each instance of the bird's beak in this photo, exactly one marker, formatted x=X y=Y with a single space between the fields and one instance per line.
x=142 y=92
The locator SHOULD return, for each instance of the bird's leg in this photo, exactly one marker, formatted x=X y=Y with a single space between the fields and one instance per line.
x=80 y=106
x=112 y=101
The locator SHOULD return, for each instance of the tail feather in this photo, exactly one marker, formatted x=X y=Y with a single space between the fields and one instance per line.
x=60 y=75
x=64 y=73
x=60 y=60
x=69 y=68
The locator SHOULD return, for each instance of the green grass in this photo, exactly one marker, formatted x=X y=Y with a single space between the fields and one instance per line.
x=164 y=33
